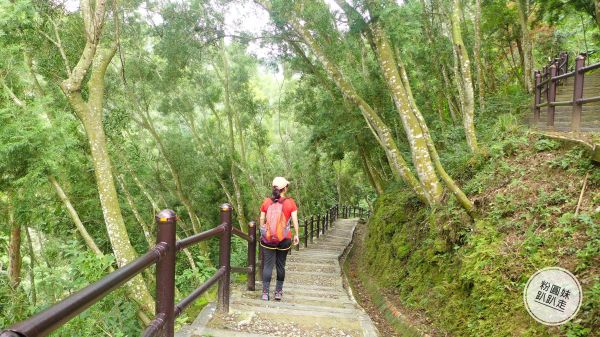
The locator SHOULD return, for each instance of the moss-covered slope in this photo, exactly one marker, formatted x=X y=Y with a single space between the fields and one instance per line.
x=468 y=277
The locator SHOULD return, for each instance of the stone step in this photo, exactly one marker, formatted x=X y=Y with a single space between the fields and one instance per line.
x=210 y=332
x=282 y=324
x=289 y=286
x=298 y=298
x=295 y=259
x=301 y=291
x=289 y=309
x=296 y=267
x=293 y=302
x=315 y=303
x=328 y=256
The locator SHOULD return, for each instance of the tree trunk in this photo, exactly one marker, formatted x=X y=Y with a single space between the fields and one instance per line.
x=31 y=268
x=464 y=67
x=155 y=210
x=87 y=238
x=414 y=132
x=383 y=49
x=240 y=212
x=90 y=114
x=597 y=12
x=14 y=248
x=145 y=229
x=447 y=92
x=380 y=130
x=149 y=125
x=527 y=45
x=477 y=55
x=375 y=183
x=450 y=183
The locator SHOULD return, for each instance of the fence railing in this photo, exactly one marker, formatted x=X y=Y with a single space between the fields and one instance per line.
x=553 y=75
x=163 y=255
x=317 y=225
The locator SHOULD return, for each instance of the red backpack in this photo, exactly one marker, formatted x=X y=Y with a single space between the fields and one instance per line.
x=276 y=228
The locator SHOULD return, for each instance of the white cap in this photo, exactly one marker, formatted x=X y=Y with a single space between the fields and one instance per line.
x=280 y=182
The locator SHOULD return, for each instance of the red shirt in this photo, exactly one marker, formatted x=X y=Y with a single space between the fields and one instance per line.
x=289 y=206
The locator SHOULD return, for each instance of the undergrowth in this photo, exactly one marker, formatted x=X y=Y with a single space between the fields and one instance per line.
x=468 y=277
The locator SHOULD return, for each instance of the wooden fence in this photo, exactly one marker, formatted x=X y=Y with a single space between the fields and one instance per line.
x=555 y=77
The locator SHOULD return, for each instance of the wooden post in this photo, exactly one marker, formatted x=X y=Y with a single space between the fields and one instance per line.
x=538 y=98
x=166 y=222
x=225 y=259
x=318 y=225
x=312 y=227
x=252 y=256
x=551 y=96
x=305 y=233
x=577 y=94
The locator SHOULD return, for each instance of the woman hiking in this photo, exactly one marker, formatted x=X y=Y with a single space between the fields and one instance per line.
x=276 y=213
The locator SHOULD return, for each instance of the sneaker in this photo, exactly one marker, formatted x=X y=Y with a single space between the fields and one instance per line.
x=265 y=296
x=278 y=295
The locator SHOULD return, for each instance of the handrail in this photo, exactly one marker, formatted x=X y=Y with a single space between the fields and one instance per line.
x=590 y=67
x=546 y=82
x=241 y=234
x=565 y=75
x=588 y=100
x=323 y=223
x=183 y=243
x=180 y=307
x=164 y=256
x=542 y=105
x=55 y=316
x=561 y=103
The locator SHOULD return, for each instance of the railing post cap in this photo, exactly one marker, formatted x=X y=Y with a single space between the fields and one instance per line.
x=166 y=215
x=580 y=57
x=226 y=207
x=251 y=224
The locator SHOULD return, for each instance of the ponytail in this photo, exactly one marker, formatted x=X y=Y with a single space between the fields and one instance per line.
x=276 y=194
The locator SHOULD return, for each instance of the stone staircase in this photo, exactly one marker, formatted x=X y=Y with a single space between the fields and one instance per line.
x=315 y=302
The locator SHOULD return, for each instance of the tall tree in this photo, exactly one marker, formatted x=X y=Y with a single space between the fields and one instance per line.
x=527 y=44
x=14 y=246
x=380 y=130
x=477 y=54
x=597 y=6
x=94 y=61
x=464 y=78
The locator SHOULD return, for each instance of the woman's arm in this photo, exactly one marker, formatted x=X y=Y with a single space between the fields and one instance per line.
x=261 y=220
x=295 y=220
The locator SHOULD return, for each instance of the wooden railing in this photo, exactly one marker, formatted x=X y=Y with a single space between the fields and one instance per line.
x=555 y=74
x=314 y=226
x=163 y=254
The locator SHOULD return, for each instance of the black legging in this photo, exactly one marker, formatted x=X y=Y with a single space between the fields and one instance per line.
x=275 y=255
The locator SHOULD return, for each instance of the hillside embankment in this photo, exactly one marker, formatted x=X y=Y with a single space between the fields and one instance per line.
x=445 y=274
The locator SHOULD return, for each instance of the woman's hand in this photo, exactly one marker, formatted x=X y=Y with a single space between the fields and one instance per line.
x=296 y=240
